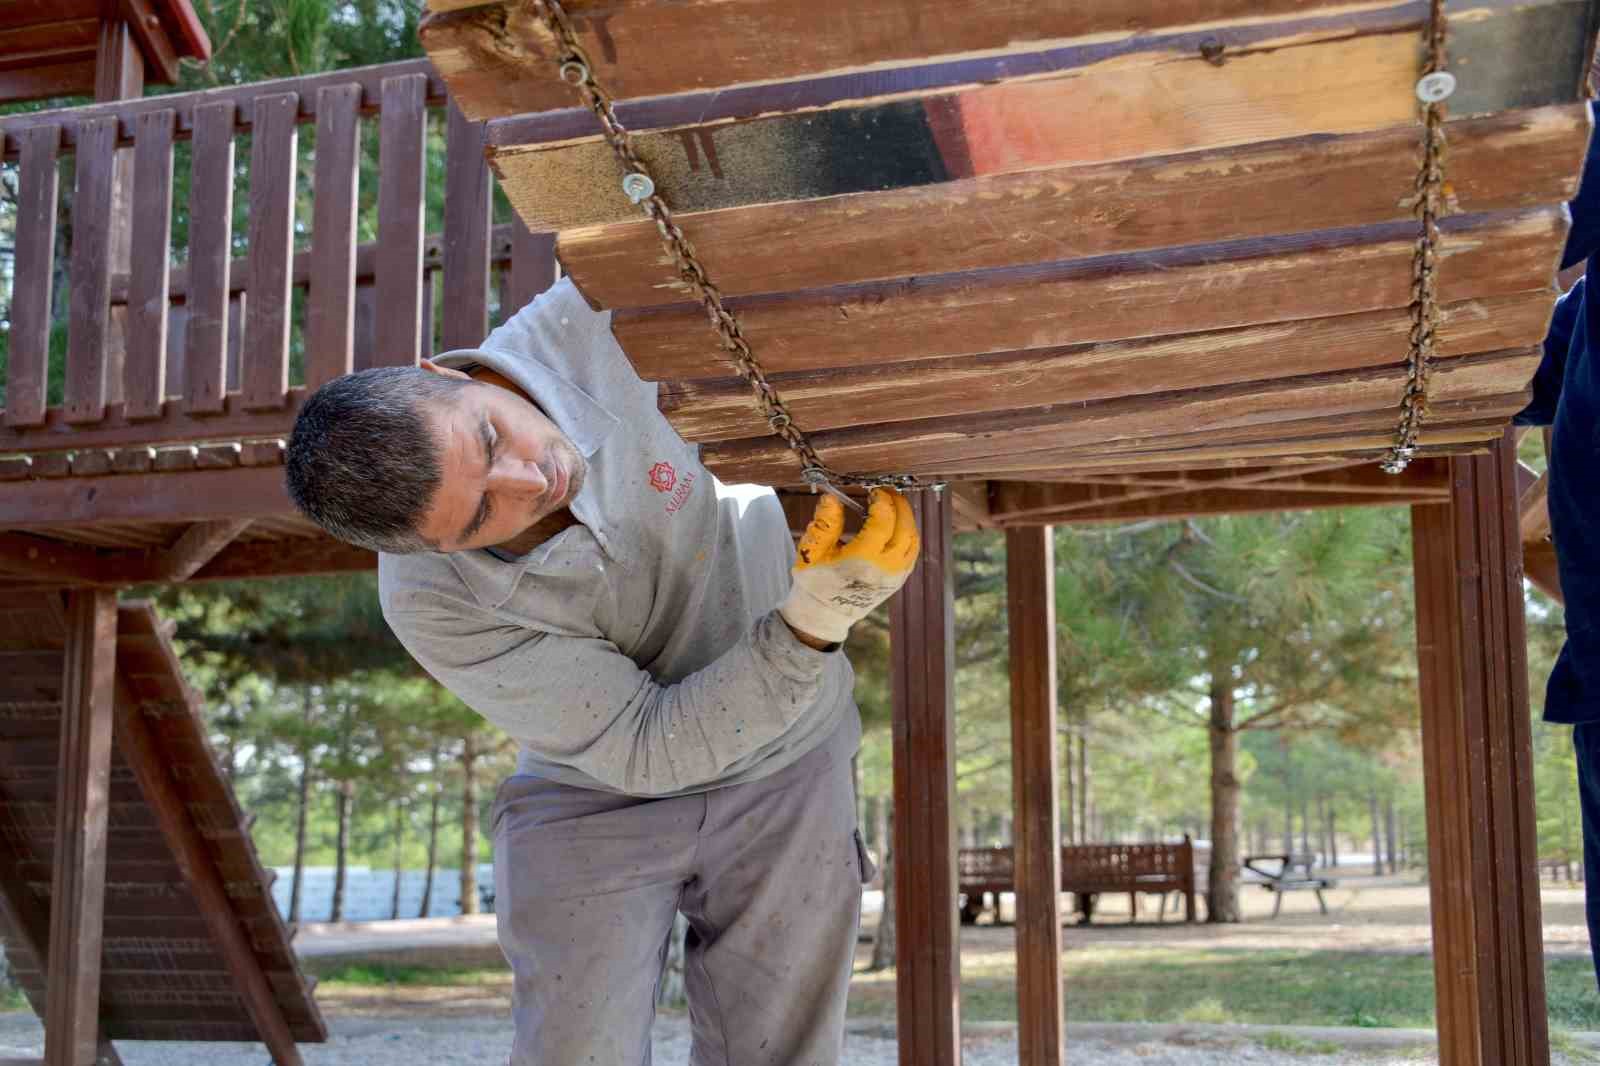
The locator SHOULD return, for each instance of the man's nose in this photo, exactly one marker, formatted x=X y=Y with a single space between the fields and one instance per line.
x=517 y=477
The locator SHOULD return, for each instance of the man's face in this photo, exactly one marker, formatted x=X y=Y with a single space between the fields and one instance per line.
x=504 y=466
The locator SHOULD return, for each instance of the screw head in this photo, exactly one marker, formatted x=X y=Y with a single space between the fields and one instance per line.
x=637 y=186
x=574 y=73
x=1439 y=85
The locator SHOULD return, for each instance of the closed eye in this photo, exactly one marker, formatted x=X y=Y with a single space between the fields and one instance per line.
x=491 y=444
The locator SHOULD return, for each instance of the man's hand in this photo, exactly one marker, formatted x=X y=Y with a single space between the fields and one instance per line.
x=835 y=587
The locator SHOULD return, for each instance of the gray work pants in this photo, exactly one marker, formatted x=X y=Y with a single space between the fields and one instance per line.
x=768 y=874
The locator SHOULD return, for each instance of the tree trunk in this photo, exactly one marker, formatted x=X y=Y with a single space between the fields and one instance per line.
x=1069 y=828
x=433 y=839
x=1288 y=816
x=301 y=813
x=881 y=833
x=1333 y=838
x=1377 y=834
x=1305 y=827
x=469 y=826
x=1224 y=876
x=399 y=857
x=1391 y=844
x=883 y=940
x=1085 y=833
x=347 y=791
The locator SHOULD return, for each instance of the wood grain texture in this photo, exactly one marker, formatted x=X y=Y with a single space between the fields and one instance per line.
x=210 y=256
x=217 y=489
x=28 y=354
x=89 y=316
x=922 y=676
x=722 y=409
x=533 y=268
x=264 y=374
x=1031 y=614
x=330 y=306
x=1152 y=103
x=401 y=179
x=144 y=387
x=1506 y=161
x=1107 y=298
x=468 y=210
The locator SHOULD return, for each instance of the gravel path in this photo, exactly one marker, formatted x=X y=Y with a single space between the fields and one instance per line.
x=486 y=1041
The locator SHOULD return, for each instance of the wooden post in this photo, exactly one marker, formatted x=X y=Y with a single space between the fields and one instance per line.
x=118 y=75
x=77 y=907
x=1031 y=606
x=922 y=625
x=1483 y=878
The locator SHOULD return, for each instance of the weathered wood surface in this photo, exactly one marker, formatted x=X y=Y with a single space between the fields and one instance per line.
x=89 y=316
x=211 y=492
x=1511 y=160
x=401 y=180
x=210 y=256
x=468 y=206
x=1317 y=78
x=1107 y=298
x=145 y=363
x=330 y=307
x=265 y=358
x=34 y=267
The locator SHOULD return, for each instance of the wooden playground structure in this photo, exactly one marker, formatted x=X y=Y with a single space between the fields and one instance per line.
x=1083 y=262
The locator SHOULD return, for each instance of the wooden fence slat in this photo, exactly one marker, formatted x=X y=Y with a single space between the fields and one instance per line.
x=402 y=173
x=90 y=315
x=467 y=207
x=533 y=267
x=210 y=257
x=144 y=386
x=29 y=357
x=265 y=373
x=330 y=310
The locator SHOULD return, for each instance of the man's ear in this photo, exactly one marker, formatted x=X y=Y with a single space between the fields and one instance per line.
x=444 y=371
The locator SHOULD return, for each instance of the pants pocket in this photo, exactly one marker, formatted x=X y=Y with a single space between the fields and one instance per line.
x=869 y=869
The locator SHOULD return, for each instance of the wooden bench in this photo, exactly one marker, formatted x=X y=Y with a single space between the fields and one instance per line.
x=1292 y=873
x=1087 y=870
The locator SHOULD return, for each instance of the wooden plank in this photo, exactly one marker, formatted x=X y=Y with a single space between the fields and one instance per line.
x=77 y=895
x=468 y=209
x=928 y=443
x=330 y=309
x=533 y=268
x=1540 y=566
x=28 y=356
x=157 y=48
x=210 y=255
x=145 y=364
x=175 y=426
x=1155 y=96
x=199 y=496
x=119 y=64
x=1471 y=649
x=194 y=858
x=498 y=58
x=922 y=669
x=1181 y=290
x=1505 y=161
x=722 y=409
x=265 y=357
x=87 y=332
x=1030 y=609
x=401 y=178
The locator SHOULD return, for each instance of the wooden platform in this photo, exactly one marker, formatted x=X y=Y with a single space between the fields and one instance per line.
x=981 y=242
x=193 y=947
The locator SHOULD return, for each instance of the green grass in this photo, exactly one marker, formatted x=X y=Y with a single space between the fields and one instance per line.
x=11 y=998
x=1289 y=1044
x=371 y=974
x=1250 y=987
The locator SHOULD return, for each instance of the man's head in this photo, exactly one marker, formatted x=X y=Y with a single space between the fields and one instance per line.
x=406 y=459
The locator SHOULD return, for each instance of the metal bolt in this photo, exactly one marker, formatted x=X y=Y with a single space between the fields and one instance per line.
x=637 y=186
x=574 y=72
x=1439 y=85
x=1211 y=50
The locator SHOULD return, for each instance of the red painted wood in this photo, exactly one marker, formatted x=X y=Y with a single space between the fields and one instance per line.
x=401 y=180
x=87 y=330
x=533 y=267
x=210 y=256
x=467 y=210
x=330 y=310
x=264 y=372
x=144 y=370
x=29 y=352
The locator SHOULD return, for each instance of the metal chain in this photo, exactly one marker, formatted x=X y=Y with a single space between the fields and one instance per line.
x=1427 y=202
x=637 y=184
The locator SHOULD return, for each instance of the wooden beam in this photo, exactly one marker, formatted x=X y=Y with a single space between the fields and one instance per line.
x=1511 y=160
x=197 y=546
x=1173 y=291
x=1472 y=655
x=77 y=896
x=922 y=654
x=48 y=560
x=1540 y=565
x=199 y=870
x=194 y=496
x=1031 y=614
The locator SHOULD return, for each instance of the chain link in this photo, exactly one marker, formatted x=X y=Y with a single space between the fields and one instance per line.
x=1427 y=202
x=576 y=70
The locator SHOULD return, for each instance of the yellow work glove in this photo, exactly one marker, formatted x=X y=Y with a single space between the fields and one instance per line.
x=835 y=587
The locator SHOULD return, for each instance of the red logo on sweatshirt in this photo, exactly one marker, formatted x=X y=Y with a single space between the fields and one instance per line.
x=662 y=477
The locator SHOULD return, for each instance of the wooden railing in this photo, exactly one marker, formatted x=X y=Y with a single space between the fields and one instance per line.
x=186 y=345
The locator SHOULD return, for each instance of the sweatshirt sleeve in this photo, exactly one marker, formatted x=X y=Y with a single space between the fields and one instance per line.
x=1541 y=411
x=581 y=702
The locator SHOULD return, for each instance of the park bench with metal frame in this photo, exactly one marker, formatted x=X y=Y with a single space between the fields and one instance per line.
x=1293 y=874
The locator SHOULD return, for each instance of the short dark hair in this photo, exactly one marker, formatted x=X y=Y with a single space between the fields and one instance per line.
x=362 y=461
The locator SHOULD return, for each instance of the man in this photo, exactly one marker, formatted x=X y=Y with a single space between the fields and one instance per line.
x=557 y=556
x=1566 y=397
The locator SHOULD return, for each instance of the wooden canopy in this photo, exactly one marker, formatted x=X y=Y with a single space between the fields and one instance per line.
x=1100 y=238
x=54 y=47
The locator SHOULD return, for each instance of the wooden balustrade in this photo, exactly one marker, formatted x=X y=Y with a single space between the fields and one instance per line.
x=222 y=338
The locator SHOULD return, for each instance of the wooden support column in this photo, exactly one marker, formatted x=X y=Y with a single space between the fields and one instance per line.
x=1031 y=609
x=77 y=899
x=1472 y=660
x=927 y=943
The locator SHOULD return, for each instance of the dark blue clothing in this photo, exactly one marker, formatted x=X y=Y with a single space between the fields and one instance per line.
x=1586 y=742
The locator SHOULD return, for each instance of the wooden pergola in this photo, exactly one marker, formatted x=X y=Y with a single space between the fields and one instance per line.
x=1199 y=307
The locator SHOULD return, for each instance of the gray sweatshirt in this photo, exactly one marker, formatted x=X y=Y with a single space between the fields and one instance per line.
x=639 y=651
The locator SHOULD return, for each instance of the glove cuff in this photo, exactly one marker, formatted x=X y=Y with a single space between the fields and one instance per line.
x=806 y=615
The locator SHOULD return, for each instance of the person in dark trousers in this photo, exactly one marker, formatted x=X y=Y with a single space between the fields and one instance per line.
x=1566 y=397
